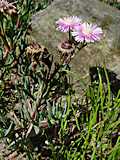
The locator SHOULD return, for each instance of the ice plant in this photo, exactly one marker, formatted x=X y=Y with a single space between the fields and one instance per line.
x=87 y=33
x=68 y=23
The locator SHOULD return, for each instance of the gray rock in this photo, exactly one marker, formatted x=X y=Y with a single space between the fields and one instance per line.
x=107 y=51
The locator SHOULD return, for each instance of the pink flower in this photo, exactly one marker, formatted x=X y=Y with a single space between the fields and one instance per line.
x=87 y=32
x=68 y=23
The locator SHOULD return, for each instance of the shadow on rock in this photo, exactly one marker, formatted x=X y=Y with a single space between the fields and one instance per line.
x=114 y=81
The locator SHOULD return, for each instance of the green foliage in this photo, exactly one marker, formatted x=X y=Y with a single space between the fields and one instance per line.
x=40 y=115
x=90 y=131
x=113 y=3
x=31 y=82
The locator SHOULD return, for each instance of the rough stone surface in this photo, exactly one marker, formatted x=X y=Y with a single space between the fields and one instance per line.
x=106 y=51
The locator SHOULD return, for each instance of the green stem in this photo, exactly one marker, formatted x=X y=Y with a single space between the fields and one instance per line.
x=69 y=35
x=82 y=46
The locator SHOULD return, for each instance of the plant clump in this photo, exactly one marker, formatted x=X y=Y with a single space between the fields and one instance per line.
x=40 y=115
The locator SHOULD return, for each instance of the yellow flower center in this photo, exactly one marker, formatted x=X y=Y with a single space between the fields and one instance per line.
x=67 y=21
x=86 y=30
